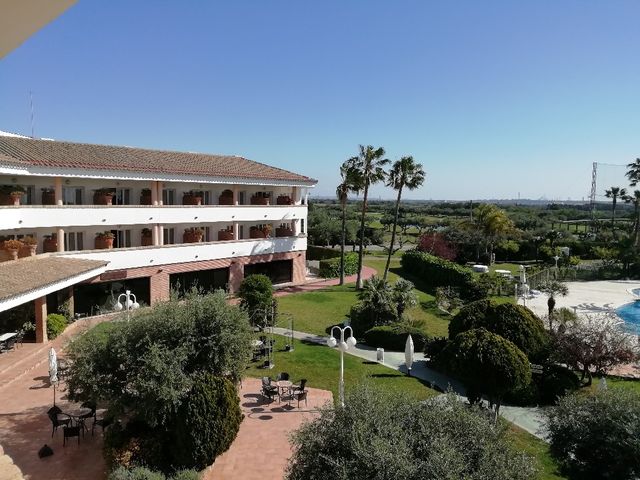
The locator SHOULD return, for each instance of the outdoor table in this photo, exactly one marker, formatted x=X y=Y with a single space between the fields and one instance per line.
x=77 y=415
x=6 y=336
x=284 y=385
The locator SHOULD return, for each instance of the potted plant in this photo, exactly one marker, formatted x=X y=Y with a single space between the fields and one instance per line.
x=50 y=243
x=29 y=247
x=11 y=194
x=192 y=197
x=104 y=240
x=145 y=196
x=13 y=247
x=226 y=198
x=260 y=198
x=103 y=196
x=284 y=200
x=192 y=235
x=147 y=237
x=226 y=234
x=48 y=196
x=284 y=230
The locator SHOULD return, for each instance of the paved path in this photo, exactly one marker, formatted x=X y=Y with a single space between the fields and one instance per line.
x=527 y=418
x=319 y=284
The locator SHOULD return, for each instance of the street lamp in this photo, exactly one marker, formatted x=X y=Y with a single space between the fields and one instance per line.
x=556 y=258
x=130 y=303
x=343 y=347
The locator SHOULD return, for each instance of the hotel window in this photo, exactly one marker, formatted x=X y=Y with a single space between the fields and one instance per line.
x=168 y=235
x=206 y=198
x=242 y=198
x=207 y=233
x=302 y=225
x=72 y=195
x=29 y=197
x=240 y=232
x=74 y=241
x=122 y=238
x=168 y=196
x=122 y=196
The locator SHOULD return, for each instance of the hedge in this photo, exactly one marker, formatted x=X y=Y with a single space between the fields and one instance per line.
x=56 y=324
x=436 y=272
x=330 y=268
x=394 y=337
x=321 y=253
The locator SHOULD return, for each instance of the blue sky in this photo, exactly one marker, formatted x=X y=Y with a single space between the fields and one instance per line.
x=494 y=98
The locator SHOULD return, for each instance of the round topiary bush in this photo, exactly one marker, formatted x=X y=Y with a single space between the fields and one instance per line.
x=56 y=324
x=556 y=382
x=470 y=316
x=393 y=337
x=206 y=422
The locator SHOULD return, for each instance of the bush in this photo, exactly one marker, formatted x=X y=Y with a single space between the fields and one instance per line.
x=206 y=422
x=256 y=295
x=321 y=253
x=331 y=268
x=516 y=323
x=436 y=272
x=394 y=337
x=56 y=324
x=556 y=382
x=143 y=473
x=596 y=436
x=434 y=346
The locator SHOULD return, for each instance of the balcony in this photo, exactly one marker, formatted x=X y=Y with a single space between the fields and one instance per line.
x=124 y=258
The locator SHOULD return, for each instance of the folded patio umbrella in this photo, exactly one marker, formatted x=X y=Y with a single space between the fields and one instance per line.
x=409 y=354
x=53 y=371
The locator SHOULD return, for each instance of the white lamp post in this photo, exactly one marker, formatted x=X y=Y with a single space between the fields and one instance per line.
x=556 y=258
x=343 y=347
x=129 y=303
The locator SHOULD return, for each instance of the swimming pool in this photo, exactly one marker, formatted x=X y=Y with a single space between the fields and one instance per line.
x=630 y=313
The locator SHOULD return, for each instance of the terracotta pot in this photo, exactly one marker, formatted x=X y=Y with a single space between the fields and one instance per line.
x=256 y=233
x=102 y=243
x=13 y=252
x=225 y=200
x=145 y=199
x=10 y=199
x=224 y=235
x=48 y=198
x=27 y=251
x=50 y=245
x=284 y=200
x=284 y=232
x=259 y=200
x=189 y=237
x=103 y=199
x=146 y=240
x=189 y=199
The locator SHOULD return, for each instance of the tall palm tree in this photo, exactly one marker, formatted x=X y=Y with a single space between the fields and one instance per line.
x=614 y=193
x=404 y=173
x=635 y=200
x=350 y=183
x=370 y=166
x=489 y=222
x=633 y=172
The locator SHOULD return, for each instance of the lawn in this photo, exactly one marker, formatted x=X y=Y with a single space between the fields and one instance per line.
x=320 y=365
x=536 y=448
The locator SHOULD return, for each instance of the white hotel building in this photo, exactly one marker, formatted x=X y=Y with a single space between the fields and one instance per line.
x=107 y=218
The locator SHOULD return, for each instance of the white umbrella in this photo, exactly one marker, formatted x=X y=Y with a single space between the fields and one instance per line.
x=53 y=371
x=408 y=354
x=523 y=275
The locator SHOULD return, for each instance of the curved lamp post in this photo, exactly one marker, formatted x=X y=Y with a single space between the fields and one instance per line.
x=343 y=347
x=129 y=303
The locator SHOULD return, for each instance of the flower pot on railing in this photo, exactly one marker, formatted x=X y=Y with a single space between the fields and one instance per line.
x=226 y=198
x=192 y=235
x=145 y=197
x=104 y=240
x=103 y=197
x=284 y=232
x=50 y=244
x=48 y=196
x=12 y=247
x=284 y=200
x=256 y=233
x=11 y=194
x=259 y=200
x=192 y=198
x=225 y=235
x=147 y=237
x=29 y=247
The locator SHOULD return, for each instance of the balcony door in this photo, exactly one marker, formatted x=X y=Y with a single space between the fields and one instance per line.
x=72 y=195
x=122 y=238
x=122 y=196
x=168 y=196
x=73 y=241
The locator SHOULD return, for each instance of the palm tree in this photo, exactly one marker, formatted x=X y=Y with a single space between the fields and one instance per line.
x=614 y=193
x=633 y=172
x=489 y=222
x=403 y=296
x=635 y=200
x=370 y=166
x=552 y=289
x=350 y=183
x=404 y=173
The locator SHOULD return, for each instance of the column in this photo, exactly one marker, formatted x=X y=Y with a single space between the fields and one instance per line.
x=41 y=319
x=154 y=202
x=236 y=231
x=159 y=187
x=235 y=195
x=58 y=190
x=60 y=240
x=295 y=226
x=294 y=195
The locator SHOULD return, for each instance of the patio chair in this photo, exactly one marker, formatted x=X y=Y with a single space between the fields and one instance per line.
x=19 y=338
x=68 y=432
x=300 y=395
x=101 y=422
x=54 y=414
x=300 y=387
x=269 y=391
x=82 y=418
x=9 y=344
x=282 y=376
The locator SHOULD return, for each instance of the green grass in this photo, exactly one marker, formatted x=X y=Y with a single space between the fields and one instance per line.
x=514 y=268
x=320 y=365
x=533 y=446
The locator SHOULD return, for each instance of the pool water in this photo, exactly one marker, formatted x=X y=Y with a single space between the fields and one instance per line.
x=630 y=313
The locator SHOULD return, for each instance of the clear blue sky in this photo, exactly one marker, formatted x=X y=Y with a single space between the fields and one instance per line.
x=494 y=98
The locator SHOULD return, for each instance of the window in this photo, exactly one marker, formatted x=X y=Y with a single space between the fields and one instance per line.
x=72 y=195
x=74 y=241
x=168 y=196
x=169 y=236
x=122 y=238
x=302 y=225
x=206 y=198
x=240 y=232
x=122 y=196
x=207 y=234
x=242 y=198
x=17 y=237
x=29 y=198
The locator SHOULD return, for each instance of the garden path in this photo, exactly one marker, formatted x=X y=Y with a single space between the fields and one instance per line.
x=311 y=285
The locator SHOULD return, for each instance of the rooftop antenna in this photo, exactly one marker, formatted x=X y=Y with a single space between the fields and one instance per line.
x=32 y=121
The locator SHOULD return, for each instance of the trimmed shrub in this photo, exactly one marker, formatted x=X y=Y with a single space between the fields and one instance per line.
x=470 y=316
x=256 y=294
x=556 y=382
x=206 y=422
x=135 y=473
x=321 y=253
x=56 y=324
x=434 y=346
x=186 y=475
x=437 y=272
x=331 y=268
x=393 y=337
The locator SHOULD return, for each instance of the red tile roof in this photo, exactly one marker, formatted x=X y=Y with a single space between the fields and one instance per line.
x=48 y=153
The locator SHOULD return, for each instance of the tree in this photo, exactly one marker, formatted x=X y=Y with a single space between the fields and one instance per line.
x=490 y=222
x=375 y=306
x=390 y=436
x=595 y=436
x=370 y=167
x=552 y=289
x=350 y=183
x=633 y=172
x=594 y=342
x=404 y=173
x=487 y=363
x=635 y=200
x=256 y=297
x=614 y=193
x=403 y=296
x=436 y=244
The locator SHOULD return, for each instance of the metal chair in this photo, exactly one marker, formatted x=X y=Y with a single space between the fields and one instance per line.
x=54 y=414
x=68 y=432
x=299 y=396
